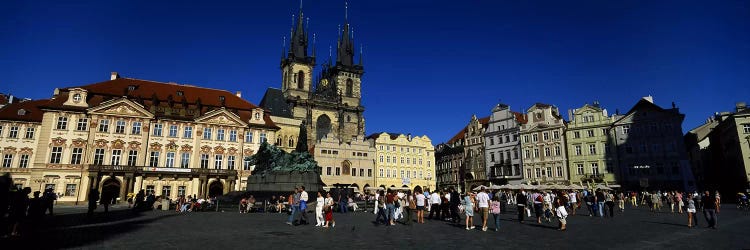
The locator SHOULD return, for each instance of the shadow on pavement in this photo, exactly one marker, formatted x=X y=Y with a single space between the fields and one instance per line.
x=75 y=230
x=666 y=223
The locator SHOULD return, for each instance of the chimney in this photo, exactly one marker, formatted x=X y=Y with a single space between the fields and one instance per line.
x=238 y=94
x=649 y=98
x=114 y=76
x=740 y=106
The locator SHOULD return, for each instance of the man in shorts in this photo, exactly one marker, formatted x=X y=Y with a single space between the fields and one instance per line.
x=483 y=201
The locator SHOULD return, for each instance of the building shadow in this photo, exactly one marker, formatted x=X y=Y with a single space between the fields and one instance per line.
x=665 y=223
x=77 y=230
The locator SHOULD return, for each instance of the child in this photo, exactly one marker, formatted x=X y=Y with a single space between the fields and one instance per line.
x=561 y=215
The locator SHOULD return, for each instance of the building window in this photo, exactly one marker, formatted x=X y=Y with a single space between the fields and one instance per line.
x=70 y=190
x=558 y=151
x=157 y=129
x=230 y=162
x=595 y=168
x=29 y=133
x=380 y=173
x=132 y=157
x=555 y=135
x=300 y=79
x=538 y=173
x=24 y=161
x=527 y=154
x=13 y=132
x=75 y=157
x=181 y=191
x=149 y=189
x=204 y=161
x=172 y=130
x=82 y=124
x=246 y=163
x=338 y=171
x=515 y=153
x=170 y=160
x=534 y=138
x=104 y=126
x=219 y=134
x=188 y=132
x=99 y=156
x=136 y=130
x=492 y=157
x=576 y=134
x=232 y=135
x=218 y=160
x=207 y=134
x=166 y=191
x=184 y=160
x=7 y=160
x=579 y=169
x=62 y=123
x=590 y=132
x=526 y=139
x=328 y=170
x=746 y=128
x=263 y=138
x=545 y=136
x=625 y=129
x=547 y=151
x=116 y=155
x=592 y=149
x=536 y=153
x=120 y=127
x=369 y=172
x=249 y=136
x=548 y=172
x=154 y=160
x=349 y=88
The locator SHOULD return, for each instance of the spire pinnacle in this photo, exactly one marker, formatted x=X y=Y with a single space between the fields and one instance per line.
x=360 y=55
x=313 y=50
x=346 y=10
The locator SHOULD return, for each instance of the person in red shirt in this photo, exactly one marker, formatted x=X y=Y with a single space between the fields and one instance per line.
x=390 y=206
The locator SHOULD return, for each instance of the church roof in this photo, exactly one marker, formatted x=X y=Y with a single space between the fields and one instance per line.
x=274 y=101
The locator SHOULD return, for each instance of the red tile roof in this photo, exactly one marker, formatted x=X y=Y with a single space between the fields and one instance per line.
x=461 y=134
x=31 y=113
x=521 y=118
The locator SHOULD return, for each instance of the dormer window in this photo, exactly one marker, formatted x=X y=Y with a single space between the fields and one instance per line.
x=257 y=116
x=221 y=98
x=77 y=97
x=21 y=112
x=131 y=87
x=180 y=93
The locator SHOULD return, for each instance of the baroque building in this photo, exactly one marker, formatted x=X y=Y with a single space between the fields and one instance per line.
x=404 y=161
x=591 y=155
x=650 y=148
x=543 y=143
x=503 y=146
x=124 y=135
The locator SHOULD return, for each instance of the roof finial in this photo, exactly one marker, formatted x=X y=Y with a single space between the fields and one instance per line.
x=313 y=50
x=346 y=10
x=283 y=46
x=360 y=55
x=307 y=25
x=330 y=53
x=300 y=4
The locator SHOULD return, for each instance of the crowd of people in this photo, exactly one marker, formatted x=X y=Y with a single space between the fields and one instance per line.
x=23 y=213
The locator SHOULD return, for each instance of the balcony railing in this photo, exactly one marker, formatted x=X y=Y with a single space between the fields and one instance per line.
x=594 y=177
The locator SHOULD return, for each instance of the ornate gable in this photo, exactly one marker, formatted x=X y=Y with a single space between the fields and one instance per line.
x=221 y=117
x=121 y=107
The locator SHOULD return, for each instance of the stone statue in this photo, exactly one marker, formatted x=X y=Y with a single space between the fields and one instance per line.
x=271 y=159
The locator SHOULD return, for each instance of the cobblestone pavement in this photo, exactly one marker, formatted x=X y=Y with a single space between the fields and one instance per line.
x=636 y=228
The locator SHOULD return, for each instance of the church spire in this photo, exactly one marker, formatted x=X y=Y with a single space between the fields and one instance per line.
x=298 y=39
x=345 y=48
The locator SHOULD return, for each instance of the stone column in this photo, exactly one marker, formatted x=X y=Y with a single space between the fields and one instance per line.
x=124 y=188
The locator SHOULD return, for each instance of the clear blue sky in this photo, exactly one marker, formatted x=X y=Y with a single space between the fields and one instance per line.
x=429 y=65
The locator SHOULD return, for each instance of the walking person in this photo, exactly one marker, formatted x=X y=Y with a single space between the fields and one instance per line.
x=49 y=199
x=319 y=203
x=468 y=203
x=537 y=199
x=18 y=209
x=600 y=200
x=495 y=210
x=390 y=204
x=562 y=215
x=711 y=209
x=293 y=201
x=380 y=208
x=435 y=201
x=410 y=205
x=455 y=200
x=329 y=211
x=483 y=202
x=609 y=201
x=691 y=212
x=573 y=196
x=303 y=197
x=521 y=205
x=421 y=202
x=621 y=201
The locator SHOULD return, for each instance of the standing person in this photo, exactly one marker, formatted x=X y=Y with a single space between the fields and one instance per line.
x=293 y=201
x=609 y=201
x=49 y=199
x=137 y=206
x=562 y=215
x=377 y=200
x=655 y=202
x=342 y=202
x=435 y=206
x=521 y=204
x=329 y=211
x=303 y=197
x=36 y=211
x=390 y=204
x=105 y=200
x=380 y=207
x=710 y=209
x=93 y=197
x=468 y=203
x=5 y=181
x=410 y=205
x=621 y=201
x=483 y=202
x=600 y=200
x=18 y=209
x=680 y=203
x=691 y=211
x=538 y=200
x=573 y=196
x=495 y=210
x=455 y=200
x=421 y=202
x=319 y=203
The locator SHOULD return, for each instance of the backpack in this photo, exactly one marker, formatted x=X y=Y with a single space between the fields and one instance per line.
x=539 y=198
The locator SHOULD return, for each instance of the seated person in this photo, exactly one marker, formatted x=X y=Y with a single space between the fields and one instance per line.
x=250 y=203
x=243 y=205
x=352 y=204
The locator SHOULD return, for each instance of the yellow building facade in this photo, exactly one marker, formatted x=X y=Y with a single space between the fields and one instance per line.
x=403 y=160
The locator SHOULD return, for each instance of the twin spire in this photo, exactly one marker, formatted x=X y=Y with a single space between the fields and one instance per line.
x=299 y=41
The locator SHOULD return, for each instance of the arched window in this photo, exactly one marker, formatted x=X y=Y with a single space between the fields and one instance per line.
x=348 y=118
x=300 y=80
x=349 y=87
x=322 y=127
x=291 y=141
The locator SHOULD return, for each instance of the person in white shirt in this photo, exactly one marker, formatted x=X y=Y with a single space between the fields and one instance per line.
x=573 y=196
x=561 y=215
x=434 y=205
x=303 y=206
x=421 y=200
x=483 y=203
x=375 y=208
x=319 y=210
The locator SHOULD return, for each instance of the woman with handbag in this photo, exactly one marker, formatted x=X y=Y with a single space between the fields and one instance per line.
x=329 y=211
x=469 y=210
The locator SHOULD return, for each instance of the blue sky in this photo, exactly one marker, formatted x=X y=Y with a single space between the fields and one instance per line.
x=429 y=65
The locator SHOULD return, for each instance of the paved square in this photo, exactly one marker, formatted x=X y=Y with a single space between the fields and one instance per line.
x=636 y=228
